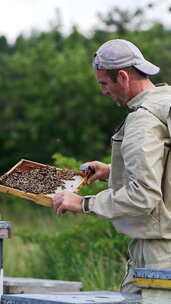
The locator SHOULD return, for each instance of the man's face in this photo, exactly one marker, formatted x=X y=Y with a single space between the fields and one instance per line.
x=113 y=89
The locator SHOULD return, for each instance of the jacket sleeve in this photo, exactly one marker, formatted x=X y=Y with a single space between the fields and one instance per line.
x=143 y=153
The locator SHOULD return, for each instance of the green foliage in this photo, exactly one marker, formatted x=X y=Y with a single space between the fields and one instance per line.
x=50 y=101
x=64 y=162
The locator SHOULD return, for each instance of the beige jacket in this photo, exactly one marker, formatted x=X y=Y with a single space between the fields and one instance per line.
x=135 y=199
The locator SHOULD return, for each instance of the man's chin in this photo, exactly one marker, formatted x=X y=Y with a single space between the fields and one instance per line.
x=118 y=104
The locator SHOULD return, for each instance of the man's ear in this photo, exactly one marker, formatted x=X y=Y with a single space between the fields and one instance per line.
x=123 y=78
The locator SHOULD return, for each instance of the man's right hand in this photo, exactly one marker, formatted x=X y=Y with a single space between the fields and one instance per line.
x=99 y=171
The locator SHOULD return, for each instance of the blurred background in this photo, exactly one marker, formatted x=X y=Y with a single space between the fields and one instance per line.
x=51 y=111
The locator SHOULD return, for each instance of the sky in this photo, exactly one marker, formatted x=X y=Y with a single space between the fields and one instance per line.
x=24 y=16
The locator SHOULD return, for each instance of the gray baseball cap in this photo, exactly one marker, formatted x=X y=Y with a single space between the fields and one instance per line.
x=118 y=53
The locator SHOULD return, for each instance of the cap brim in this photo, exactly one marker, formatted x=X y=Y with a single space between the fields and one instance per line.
x=147 y=68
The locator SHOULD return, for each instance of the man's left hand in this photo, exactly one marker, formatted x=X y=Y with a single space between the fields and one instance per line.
x=67 y=201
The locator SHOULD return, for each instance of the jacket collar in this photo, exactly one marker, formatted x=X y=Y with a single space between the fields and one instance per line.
x=137 y=101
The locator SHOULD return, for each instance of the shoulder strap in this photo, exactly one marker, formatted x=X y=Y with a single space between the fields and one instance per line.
x=142 y=107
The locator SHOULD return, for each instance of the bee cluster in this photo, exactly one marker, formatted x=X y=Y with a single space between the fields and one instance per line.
x=37 y=180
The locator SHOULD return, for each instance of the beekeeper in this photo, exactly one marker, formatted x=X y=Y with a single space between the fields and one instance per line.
x=136 y=199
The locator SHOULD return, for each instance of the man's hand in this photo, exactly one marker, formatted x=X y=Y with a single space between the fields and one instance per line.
x=67 y=201
x=99 y=171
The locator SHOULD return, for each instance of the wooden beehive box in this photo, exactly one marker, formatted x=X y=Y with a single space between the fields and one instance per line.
x=74 y=185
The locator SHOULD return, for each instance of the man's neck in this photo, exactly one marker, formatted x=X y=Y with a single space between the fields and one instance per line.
x=139 y=86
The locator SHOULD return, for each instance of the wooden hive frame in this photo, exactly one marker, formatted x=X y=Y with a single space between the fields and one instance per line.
x=41 y=199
